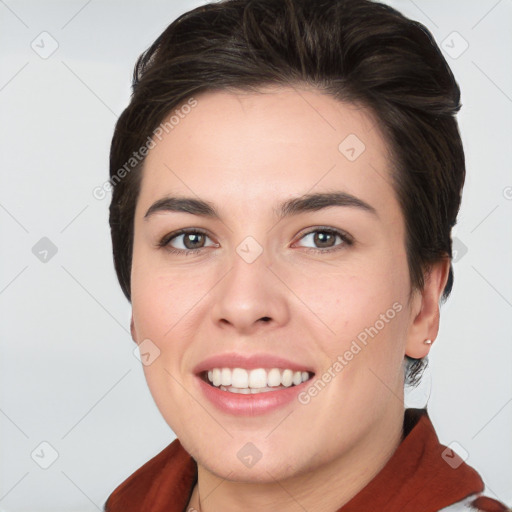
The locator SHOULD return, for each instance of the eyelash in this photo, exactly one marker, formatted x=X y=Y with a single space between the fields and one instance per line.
x=347 y=240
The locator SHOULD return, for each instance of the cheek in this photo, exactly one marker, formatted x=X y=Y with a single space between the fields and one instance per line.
x=159 y=315
x=350 y=299
x=166 y=304
x=364 y=308
x=162 y=297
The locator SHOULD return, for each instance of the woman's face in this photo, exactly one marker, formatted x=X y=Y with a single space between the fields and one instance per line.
x=271 y=277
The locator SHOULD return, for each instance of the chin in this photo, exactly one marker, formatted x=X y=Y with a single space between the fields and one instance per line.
x=241 y=460
x=266 y=470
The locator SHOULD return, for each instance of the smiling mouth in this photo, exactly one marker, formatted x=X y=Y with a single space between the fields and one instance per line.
x=258 y=380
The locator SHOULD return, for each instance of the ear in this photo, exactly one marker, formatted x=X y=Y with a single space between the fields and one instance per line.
x=425 y=305
x=132 y=330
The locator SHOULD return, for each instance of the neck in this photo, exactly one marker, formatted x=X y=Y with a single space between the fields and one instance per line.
x=324 y=489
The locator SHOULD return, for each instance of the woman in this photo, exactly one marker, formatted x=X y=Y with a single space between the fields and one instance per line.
x=285 y=180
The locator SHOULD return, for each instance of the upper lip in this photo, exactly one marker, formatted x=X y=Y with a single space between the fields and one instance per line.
x=235 y=360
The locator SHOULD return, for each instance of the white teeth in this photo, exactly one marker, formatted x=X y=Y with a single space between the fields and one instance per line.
x=287 y=378
x=225 y=377
x=297 y=378
x=274 y=377
x=239 y=378
x=259 y=380
x=216 y=377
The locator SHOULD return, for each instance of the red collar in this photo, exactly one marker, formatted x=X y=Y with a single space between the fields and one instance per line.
x=420 y=475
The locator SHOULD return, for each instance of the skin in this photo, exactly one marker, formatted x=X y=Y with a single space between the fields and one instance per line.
x=246 y=153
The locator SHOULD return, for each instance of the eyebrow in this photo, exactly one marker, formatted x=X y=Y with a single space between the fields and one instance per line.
x=295 y=206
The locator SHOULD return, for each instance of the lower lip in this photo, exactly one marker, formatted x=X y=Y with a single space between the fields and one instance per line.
x=250 y=404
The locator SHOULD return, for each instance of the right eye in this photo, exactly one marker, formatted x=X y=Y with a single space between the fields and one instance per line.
x=185 y=241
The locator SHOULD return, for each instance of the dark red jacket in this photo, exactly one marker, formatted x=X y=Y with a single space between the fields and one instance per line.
x=421 y=476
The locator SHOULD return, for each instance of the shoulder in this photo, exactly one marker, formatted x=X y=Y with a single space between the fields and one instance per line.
x=135 y=489
x=477 y=503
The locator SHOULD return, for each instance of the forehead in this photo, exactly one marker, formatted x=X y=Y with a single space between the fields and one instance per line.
x=259 y=147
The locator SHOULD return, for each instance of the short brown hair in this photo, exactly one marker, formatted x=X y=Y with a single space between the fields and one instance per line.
x=357 y=51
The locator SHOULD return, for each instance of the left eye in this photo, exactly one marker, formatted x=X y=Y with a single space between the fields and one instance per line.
x=326 y=239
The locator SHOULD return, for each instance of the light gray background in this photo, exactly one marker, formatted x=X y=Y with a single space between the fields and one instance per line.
x=67 y=369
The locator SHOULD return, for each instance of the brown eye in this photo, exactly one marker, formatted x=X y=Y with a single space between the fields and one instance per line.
x=327 y=239
x=185 y=241
x=324 y=239
x=193 y=240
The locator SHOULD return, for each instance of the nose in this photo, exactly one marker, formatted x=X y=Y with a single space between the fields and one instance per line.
x=250 y=297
